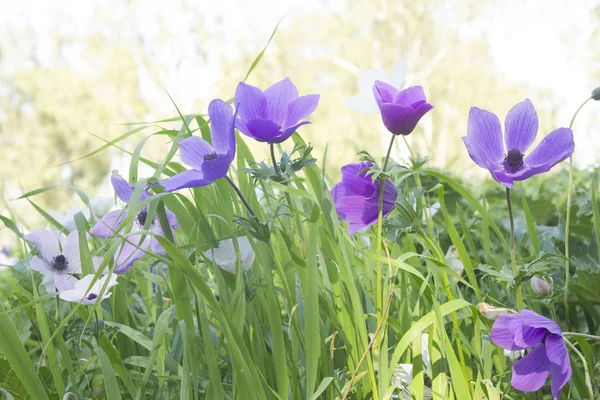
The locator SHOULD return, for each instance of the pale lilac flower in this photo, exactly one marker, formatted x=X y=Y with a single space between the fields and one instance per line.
x=136 y=245
x=506 y=159
x=274 y=115
x=548 y=355
x=59 y=259
x=87 y=292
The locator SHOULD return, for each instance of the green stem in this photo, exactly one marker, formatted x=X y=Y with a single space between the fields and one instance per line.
x=588 y=381
x=275 y=165
x=568 y=222
x=97 y=327
x=241 y=196
x=583 y=335
x=513 y=257
x=380 y=234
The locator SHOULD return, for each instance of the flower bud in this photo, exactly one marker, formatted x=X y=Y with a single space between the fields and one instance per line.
x=596 y=93
x=454 y=262
x=490 y=312
x=541 y=286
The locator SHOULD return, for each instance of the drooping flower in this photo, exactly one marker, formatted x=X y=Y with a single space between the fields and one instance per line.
x=548 y=353
x=88 y=293
x=225 y=256
x=364 y=101
x=274 y=115
x=59 y=260
x=136 y=244
x=541 y=286
x=400 y=110
x=506 y=161
x=209 y=162
x=454 y=261
x=356 y=197
x=596 y=94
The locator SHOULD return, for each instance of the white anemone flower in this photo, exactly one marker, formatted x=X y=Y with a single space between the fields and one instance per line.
x=68 y=218
x=87 y=292
x=101 y=205
x=453 y=260
x=365 y=101
x=225 y=257
x=402 y=376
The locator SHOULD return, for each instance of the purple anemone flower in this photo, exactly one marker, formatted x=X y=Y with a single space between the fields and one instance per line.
x=59 y=260
x=273 y=115
x=209 y=162
x=526 y=330
x=356 y=197
x=507 y=162
x=137 y=245
x=400 y=110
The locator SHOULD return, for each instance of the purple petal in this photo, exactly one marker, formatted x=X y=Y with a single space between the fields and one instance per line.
x=484 y=139
x=521 y=126
x=410 y=96
x=390 y=194
x=355 y=227
x=122 y=188
x=187 y=179
x=502 y=331
x=288 y=132
x=39 y=265
x=216 y=168
x=192 y=151
x=351 y=208
x=46 y=241
x=156 y=247
x=301 y=108
x=172 y=218
x=71 y=252
x=131 y=251
x=222 y=127
x=337 y=192
x=526 y=336
x=251 y=101
x=502 y=177
x=107 y=225
x=261 y=129
x=556 y=351
x=402 y=120
x=537 y=321
x=554 y=148
x=530 y=372
x=384 y=93
x=354 y=180
x=279 y=96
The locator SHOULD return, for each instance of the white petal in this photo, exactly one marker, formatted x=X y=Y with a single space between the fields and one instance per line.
x=398 y=78
x=363 y=103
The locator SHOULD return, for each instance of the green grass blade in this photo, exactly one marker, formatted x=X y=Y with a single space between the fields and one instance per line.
x=110 y=379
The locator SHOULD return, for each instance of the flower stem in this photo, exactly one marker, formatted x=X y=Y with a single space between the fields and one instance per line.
x=241 y=196
x=97 y=327
x=588 y=382
x=568 y=222
x=379 y=236
x=275 y=165
x=513 y=258
x=583 y=335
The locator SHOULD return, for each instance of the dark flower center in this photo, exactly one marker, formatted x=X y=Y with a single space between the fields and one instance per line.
x=211 y=156
x=141 y=217
x=513 y=161
x=59 y=263
x=92 y=296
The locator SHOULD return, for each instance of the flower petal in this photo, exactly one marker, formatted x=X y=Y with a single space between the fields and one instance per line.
x=47 y=242
x=107 y=225
x=289 y=131
x=410 y=96
x=216 y=168
x=279 y=96
x=355 y=181
x=251 y=101
x=337 y=192
x=537 y=321
x=363 y=104
x=64 y=281
x=530 y=372
x=247 y=254
x=222 y=127
x=301 y=108
x=192 y=151
x=520 y=126
x=71 y=252
x=131 y=251
x=172 y=218
x=402 y=120
x=554 y=148
x=384 y=93
x=484 y=139
x=39 y=265
x=123 y=189
x=351 y=209
x=502 y=331
x=186 y=179
x=390 y=194
x=261 y=129
x=556 y=351
x=398 y=76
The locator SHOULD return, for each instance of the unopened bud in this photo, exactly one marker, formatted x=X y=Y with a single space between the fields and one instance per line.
x=596 y=93
x=490 y=312
x=541 y=286
x=455 y=263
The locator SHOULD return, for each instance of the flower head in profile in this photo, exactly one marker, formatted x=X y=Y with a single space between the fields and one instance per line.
x=208 y=162
x=274 y=115
x=364 y=101
x=548 y=355
x=401 y=110
x=136 y=244
x=87 y=292
x=225 y=256
x=59 y=259
x=356 y=197
x=506 y=159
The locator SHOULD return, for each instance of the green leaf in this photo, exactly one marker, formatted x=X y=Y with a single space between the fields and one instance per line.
x=111 y=385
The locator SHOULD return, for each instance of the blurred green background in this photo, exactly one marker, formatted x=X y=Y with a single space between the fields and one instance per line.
x=71 y=72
